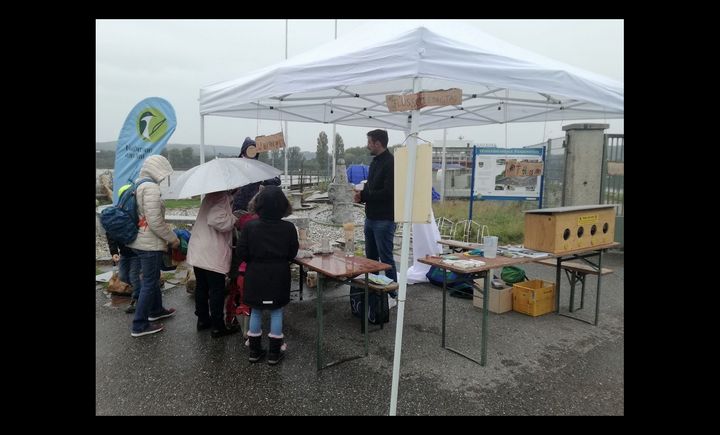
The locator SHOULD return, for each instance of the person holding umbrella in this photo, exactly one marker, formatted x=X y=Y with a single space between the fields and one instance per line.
x=209 y=252
x=243 y=196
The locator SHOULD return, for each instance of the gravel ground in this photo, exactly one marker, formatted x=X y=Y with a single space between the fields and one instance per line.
x=320 y=227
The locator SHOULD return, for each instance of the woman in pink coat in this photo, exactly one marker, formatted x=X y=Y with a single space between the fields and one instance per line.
x=210 y=252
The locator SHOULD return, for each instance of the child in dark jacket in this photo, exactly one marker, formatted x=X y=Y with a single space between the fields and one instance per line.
x=267 y=245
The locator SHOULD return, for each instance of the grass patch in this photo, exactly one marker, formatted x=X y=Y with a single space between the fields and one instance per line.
x=504 y=219
x=182 y=203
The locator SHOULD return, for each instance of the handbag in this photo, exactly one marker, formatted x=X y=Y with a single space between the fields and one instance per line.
x=115 y=285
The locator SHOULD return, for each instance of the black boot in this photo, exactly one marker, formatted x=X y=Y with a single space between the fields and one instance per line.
x=277 y=351
x=256 y=350
x=217 y=333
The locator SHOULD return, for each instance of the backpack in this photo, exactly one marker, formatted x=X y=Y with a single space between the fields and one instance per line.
x=459 y=284
x=379 y=311
x=512 y=274
x=121 y=221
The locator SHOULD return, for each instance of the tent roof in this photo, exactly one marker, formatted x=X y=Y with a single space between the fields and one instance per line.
x=345 y=81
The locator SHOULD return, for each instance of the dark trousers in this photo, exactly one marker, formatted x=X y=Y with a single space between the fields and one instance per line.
x=210 y=297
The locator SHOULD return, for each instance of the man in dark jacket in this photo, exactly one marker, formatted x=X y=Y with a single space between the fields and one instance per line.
x=242 y=197
x=378 y=198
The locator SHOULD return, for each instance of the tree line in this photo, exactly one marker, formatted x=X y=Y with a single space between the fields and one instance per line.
x=183 y=159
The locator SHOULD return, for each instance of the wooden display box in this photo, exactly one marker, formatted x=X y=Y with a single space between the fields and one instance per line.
x=534 y=298
x=562 y=229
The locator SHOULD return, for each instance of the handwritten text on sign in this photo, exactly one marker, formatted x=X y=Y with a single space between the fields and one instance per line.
x=513 y=168
x=403 y=103
x=271 y=142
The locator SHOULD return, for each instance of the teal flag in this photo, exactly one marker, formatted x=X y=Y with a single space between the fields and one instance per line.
x=146 y=131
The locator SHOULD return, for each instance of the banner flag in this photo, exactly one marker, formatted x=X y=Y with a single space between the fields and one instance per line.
x=146 y=131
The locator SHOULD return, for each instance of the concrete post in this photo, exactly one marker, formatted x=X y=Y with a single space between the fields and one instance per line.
x=583 y=163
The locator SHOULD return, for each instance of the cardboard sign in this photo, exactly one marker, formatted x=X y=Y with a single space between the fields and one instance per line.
x=450 y=97
x=513 y=168
x=403 y=103
x=616 y=168
x=271 y=142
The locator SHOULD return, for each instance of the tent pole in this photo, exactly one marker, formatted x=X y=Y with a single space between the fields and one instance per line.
x=202 y=139
x=287 y=145
x=334 y=148
x=334 y=145
x=405 y=249
x=442 y=186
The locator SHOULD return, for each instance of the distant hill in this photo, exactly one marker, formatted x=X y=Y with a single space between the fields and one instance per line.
x=209 y=149
x=219 y=149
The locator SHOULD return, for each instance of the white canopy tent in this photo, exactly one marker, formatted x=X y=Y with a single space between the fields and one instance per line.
x=345 y=82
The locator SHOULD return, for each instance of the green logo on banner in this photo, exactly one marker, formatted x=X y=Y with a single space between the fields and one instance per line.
x=151 y=124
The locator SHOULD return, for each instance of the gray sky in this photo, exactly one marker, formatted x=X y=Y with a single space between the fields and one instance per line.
x=172 y=59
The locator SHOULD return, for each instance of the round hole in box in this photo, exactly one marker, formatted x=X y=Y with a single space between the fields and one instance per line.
x=580 y=232
x=566 y=234
x=606 y=227
x=593 y=230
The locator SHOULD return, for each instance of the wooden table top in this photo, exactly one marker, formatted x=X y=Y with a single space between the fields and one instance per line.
x=490 y=263
x=336 y=265
x=459 y=244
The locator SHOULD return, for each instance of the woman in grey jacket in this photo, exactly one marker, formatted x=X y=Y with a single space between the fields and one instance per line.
x=154 y=235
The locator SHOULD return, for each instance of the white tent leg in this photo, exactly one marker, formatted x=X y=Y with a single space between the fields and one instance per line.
x=286 y=152
x=202 y=144
x=202 y=139
x=405 y=249
x=334 y=157
x=442 y=186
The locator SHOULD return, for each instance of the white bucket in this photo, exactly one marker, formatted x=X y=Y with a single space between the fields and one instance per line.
x=490 y=244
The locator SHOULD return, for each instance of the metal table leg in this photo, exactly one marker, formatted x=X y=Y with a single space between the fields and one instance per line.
x=443 y=306
x=319 y=305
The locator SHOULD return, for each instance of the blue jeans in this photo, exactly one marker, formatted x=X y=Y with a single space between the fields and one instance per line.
x=379 y=245
x=276 y=321
x=150 y=298
x=129 y=272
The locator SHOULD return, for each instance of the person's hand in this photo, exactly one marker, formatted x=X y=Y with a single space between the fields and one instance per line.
x=356 y=196
x=175 y=244
x=116 y=258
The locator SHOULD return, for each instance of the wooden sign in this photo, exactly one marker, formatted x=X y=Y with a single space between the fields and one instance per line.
x=268 y=143
x=513 y=168
x=405 y=102
x=616 y=168
x=402 y=103
x=450 y=97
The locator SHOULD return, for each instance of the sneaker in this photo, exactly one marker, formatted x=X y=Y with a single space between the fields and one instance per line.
x=131 y=308
x=392 y=302
x=149 y=330
x=162 y=314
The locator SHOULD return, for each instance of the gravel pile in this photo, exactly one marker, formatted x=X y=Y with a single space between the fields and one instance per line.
x=320 y=227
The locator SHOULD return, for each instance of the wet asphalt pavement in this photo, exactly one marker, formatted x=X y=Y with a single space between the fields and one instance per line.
x=546 y=365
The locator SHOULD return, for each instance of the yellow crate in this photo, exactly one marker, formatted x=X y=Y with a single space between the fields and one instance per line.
x=534 y=298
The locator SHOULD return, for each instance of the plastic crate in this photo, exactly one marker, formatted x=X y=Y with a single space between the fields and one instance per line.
x=534 y=298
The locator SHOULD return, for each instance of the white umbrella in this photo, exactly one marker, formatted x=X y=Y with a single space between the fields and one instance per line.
x=220 y=174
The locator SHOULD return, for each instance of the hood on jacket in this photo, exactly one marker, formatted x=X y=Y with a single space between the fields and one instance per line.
x=156 y=167
x=272 y=204
x=246 y=144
